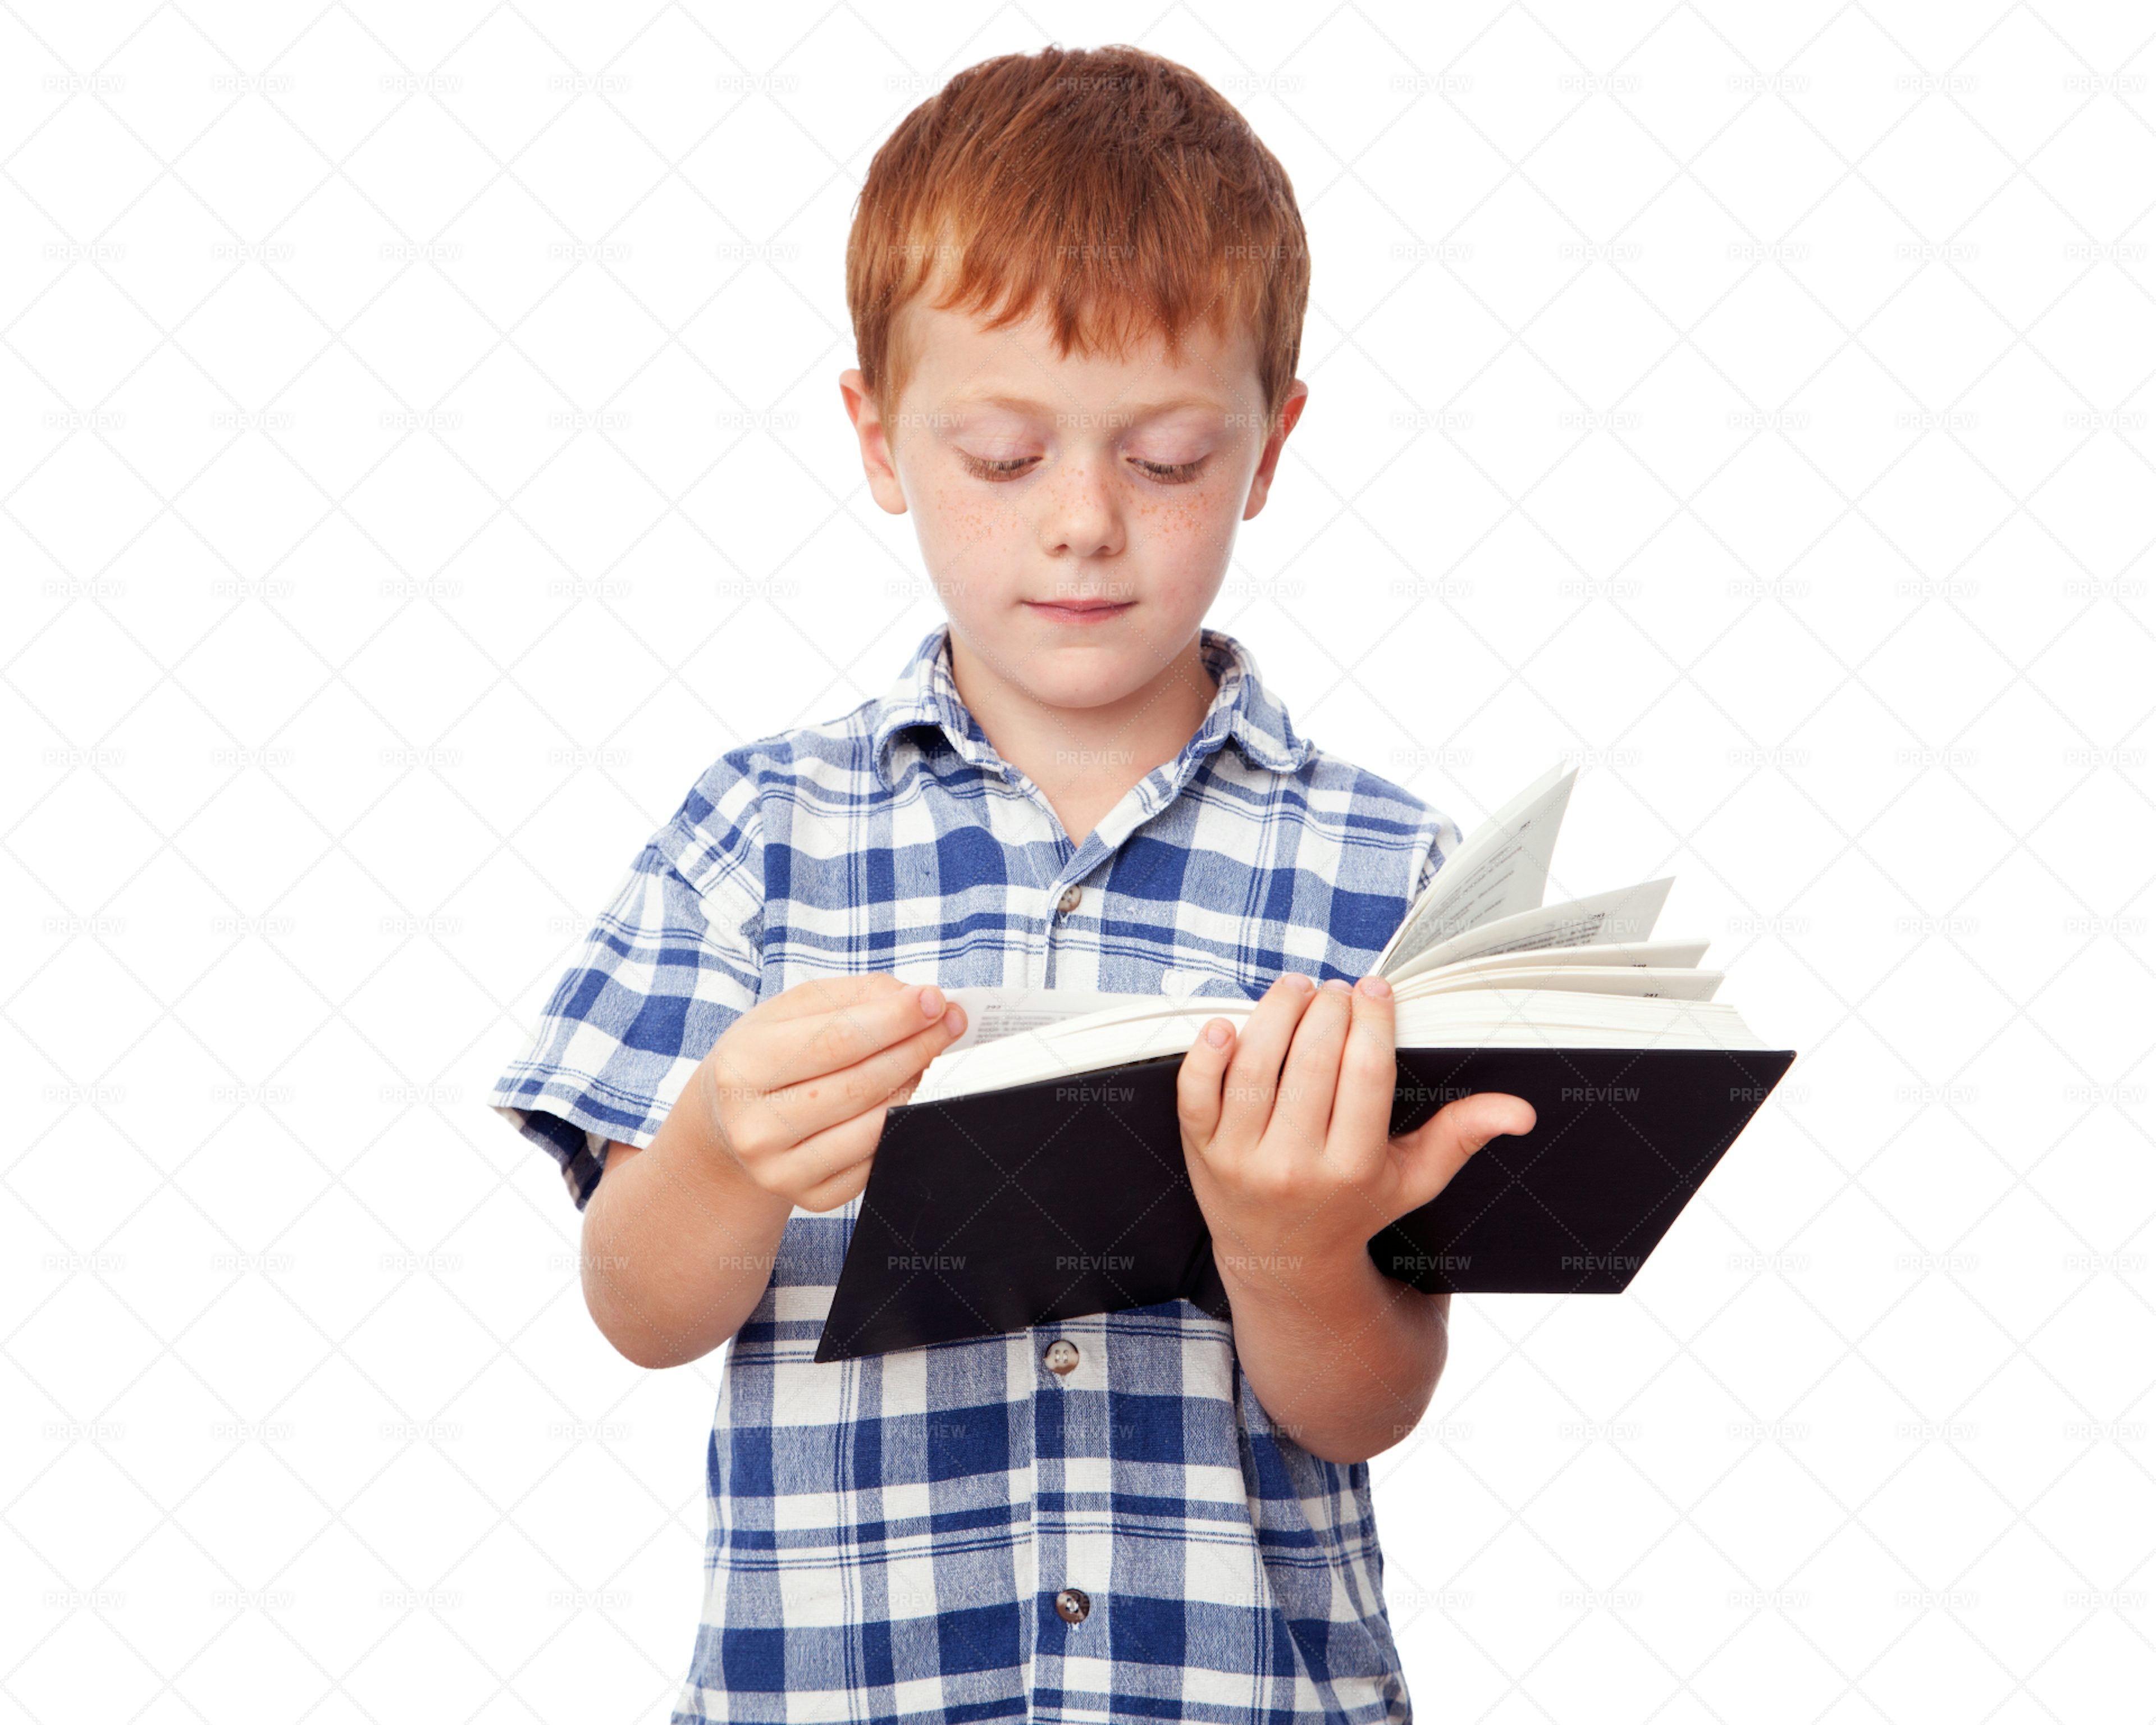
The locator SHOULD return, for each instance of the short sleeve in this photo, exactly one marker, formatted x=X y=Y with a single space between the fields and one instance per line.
x=668 y=964
x=1444 y=839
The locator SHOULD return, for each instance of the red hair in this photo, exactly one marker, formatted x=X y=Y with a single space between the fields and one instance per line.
x=1116 y=192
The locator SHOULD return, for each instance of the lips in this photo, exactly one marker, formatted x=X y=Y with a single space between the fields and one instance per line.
x=1081 y=611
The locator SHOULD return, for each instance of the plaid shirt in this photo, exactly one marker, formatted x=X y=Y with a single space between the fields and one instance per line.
x=890 y=1537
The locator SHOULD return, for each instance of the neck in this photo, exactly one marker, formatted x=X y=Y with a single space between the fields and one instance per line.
x=1086 y=759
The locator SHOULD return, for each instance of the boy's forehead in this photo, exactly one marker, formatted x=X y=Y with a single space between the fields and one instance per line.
x=953 y=354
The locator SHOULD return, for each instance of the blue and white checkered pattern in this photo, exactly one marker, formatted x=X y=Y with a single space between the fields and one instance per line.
x=888 y=1536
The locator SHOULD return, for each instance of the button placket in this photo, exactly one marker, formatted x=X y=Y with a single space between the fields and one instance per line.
x=1074 y=1539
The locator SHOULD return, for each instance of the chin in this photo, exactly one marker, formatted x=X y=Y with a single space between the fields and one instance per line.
x=1107 y=679
x=1089 y=665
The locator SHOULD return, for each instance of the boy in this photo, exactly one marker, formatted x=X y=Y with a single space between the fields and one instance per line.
x=1077 y=282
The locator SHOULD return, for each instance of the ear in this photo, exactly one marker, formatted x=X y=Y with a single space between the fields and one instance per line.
x=1261 y=482
x=875 y=444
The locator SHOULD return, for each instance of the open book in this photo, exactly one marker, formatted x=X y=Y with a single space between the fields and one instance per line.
x=1478 y=961
x=1036 y=1174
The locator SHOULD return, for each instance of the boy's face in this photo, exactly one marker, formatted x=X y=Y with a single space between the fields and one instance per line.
x=1076 y=514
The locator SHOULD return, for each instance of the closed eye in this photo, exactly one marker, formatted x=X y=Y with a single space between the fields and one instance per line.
x=1178 y=473
x=996 y=470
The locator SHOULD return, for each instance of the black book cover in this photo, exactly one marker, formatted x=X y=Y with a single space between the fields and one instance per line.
x=1006 y=1209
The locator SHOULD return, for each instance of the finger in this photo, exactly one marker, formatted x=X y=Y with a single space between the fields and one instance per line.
x=1362 y=1104
x=1197 y=1082
x=842 y=1187
x=816 y=1161
x=791 y=1051
x=845 y=1185
x=828 y=993
x=1303 y=1107
x=1246 y=1102
x=823 y=1101
x=850 y=1182
x=1439 y=1148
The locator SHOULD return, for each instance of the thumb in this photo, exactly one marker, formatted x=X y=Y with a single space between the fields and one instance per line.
x=1439 y=1148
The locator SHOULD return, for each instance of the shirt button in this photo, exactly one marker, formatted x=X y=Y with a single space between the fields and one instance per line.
x=1061 y=1357
x=1071 y=1605
x=1071 y=899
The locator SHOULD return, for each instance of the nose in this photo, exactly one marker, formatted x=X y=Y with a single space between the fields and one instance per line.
x=1080 y=517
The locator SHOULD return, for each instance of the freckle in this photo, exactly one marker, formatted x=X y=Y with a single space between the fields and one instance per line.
x=968 y=522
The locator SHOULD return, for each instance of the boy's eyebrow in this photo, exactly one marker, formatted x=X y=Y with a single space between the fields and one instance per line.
x=1138 y=410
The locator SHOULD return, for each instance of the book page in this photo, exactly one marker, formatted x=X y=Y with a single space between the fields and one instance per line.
x=1499 y=870
x=1649 y=982
x=1673 y=954
x=1479 y=1018
x=1628 y=913
x=993 y=1014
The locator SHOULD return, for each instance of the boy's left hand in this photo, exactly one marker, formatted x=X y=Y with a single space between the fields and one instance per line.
x=1284 y=1129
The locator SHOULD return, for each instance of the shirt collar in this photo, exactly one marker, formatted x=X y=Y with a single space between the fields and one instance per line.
x=926 y=695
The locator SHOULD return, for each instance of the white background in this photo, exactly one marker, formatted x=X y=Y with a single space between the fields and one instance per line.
x=423 y=454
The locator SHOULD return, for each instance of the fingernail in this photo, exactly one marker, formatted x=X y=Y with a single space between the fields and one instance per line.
x=1338 y=984
x=1376 y=987
x=1218 y=1032
x=1296 y=979
x=931 y=1001
x=954 y=1020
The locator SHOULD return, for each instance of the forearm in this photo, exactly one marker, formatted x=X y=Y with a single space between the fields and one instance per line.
x=1344 y=1357
x=678 y=1242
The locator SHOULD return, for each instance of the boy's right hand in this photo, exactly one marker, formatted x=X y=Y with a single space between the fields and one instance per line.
x=797 y=1088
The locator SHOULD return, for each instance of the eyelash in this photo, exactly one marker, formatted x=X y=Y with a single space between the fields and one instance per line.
x=996 y=469
x=1179 y=474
